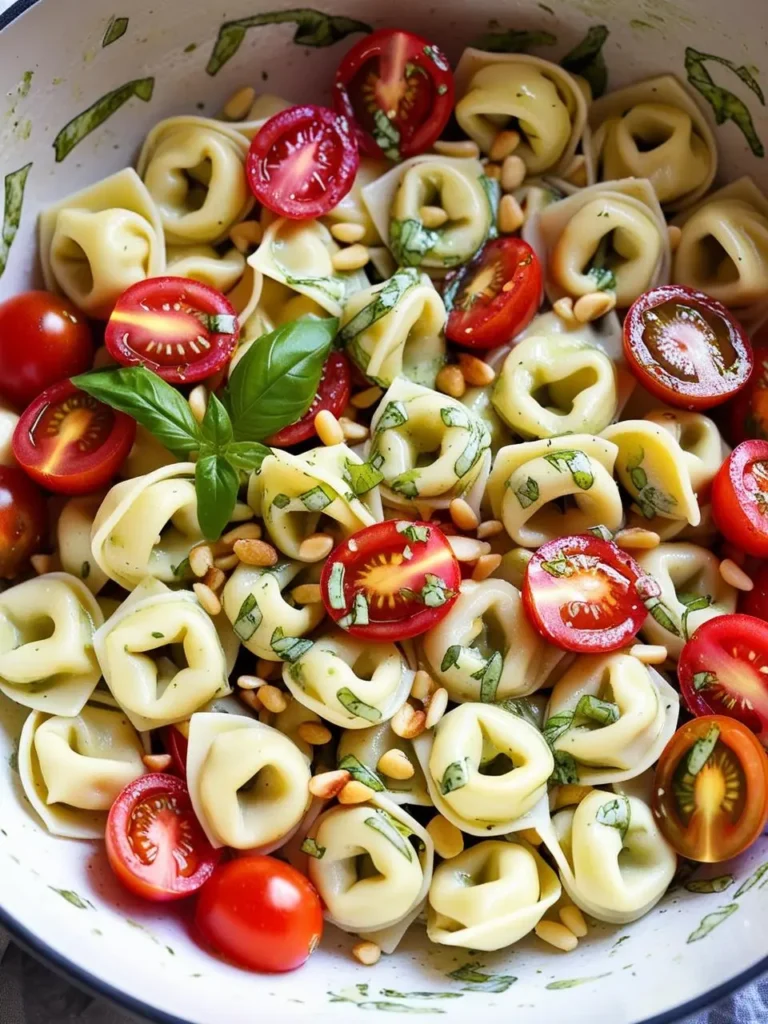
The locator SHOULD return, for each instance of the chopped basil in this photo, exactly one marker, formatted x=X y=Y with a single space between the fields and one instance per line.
x=711 y=921
x=659 y=611
x=434 y=593
x=289 y=648
x=577 y=463
x=756 y=876
x=407 y=552
x=557 y=567
x=249 y=618
x=85 y=570
x=359 y=614
x=565 y=772
x=527 y=493
x=318 y=498
x=405 y=484
x=726 y=105
x=281 y=501
x=362 y=478
x=693 y=604
x=362 y=773
x=357 y=707
x=702 y=749
x=220 y=323
x=601 y=532
x=437 y=57
x=158 y=636
x=492 y=189
x=415 y=534
x=602 y=711
x=604 y=279
x=410 y=241
x=521 y=707
x=393 y=830
x=452 y=417
x=489 y=683
x=336 y=586
x=481 y=982
x=384 y=301
x=555 y=726
x=455 y=776
x=451 y=657
x=310 y=847
x=386 y=135
x=478 y=442
x=394 y=415
x=707 y=885
x=616 y=814
x=182 y=569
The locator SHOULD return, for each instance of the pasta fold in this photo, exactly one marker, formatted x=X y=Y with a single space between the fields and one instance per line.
x=359 y=752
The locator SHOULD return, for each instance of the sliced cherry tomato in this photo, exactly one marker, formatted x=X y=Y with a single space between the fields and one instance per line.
x=391 y=581
x=686 y=348
x=495 y=296
x=23 y=520
x=755 y=601
x=584 y=594
x=332 y=393
x=155 y=844
x=749 y=410
x=397 y=89
x=710 y=794
x=182 y=330
x=175 y=743
x=302 y=162
x=261 y=914
x=70 y=442
x=740 y=498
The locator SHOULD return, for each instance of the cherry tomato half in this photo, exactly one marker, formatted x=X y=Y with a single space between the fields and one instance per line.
x=584 y=594
x=332 y=393
x=302 y=162
x=70 y=442
x=391 y=581
x=686 y=348
x=710 y=794
x=749 y=410
x=23 y=520
x=755 y=601
x=740 y=498
x=155 y=844
x=261 y=914
x=495 y=296
x=175 y=743
x=43 y=339
x=397 y=89
x=182 y=330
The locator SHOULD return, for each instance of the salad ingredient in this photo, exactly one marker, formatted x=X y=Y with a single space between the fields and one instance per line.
x=23 y=520
x=740 y=498
x=332 y=395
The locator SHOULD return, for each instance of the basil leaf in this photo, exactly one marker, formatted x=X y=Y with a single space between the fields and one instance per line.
x=246 y=455
x=216 y=427
x=216 y=485
x=150 y=401
x=277 y=379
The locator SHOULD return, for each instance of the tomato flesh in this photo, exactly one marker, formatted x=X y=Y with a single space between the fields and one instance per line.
x=391 y=581
x=261 y=914
x=175 y=744
x=333 y=393
x=740 y=498
x=584 y=594
x=23 y=520
x=495 y=296
x=755 y=601
x=686 y=348
x=710 y=794
x=398 y=90
x=749 y=410
x=302 y=162
x=155 y=844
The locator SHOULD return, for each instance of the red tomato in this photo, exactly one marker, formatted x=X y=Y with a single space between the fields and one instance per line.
x=391 y=581
x=182 y=330
x=175 y=744
x=155 y=844
x=686 y=348
x=261 y=914
x=584 y=594
x=749 y=410
x=23 y=520
x=495 y=296
x=332 y=393
x=43 y=339
x=740 y=498
x=397 y=89
x=302 y=162
x=755 y=601
x=72 y=443
x=710 y=794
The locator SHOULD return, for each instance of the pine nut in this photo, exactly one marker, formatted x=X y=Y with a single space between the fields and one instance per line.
x=476 y=371
x=573 y=919
x=241 y=513
x=157 y=762
x=486 y=565
x=513 y=172
x=463 y=514
x=466 y=148
x=735 y=576
x=432 y=216
x=255 y=552
x=674 y=234
x=365 y=399
x=448 y=839
x=250 y=682
x=246 y=531
x=467 y=549
x=352 y=431
x=396 y=764
x=506 y=142
x=307 y=593
x=637 y=538
x=208 y=600
x=313 y=733
x=267 y=669
x=328 y=429
x=251 y=698
x=423 y=686
x=492 y=171
x=215 y=579
x=593 y=305
x=450 y=380
x=408 y=723
x=556 y=935
x=576 y=172
x=354 y=257
x=368 y=953
x=315 y=547
x=564 y=309
x=198 y=402
x=649 y=654
x=490 y=528
x=530 y=835
x=327 y=785
x=226 y=562
x=511 y=216
x=348 y=232
x=355 y=793
x=567 y=796
x=41 y=564
x=239 y=103
x=274 y=700
x=200 y=559
x=438 y=703
x=246 y=235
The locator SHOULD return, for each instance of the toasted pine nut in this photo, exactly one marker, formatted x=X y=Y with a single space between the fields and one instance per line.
x=466 y=148
x=241 y=513
x=274 y=700
x=593 y=305
x=408 y=723
x=315 y=547
x=448 y=839
x=396 y=764
x=511 y=215
x=476 y=371
x=513 y=172
x=556 y=935
x=255 y=552
x=208 y=600
x=492 y=171
x=246 y=235
x=432 y=216
x=463 y=514
x=486 y=565
x=41 y=564
x=450 y=380
x=251 y=698
x=530 y=835
x=365 y=399
x=307 y=593
x=313 y=733
x=506 y=142
x=215 y=579
x=490 y=528
x=226 y=562
x=354 y=257
x=246 y=531
x=649 y=654
x=354 y=432
x=348 y=232
x=200 y=559
x=157 y=762
x=328 y=429
x=355 y=793
x=368 y=953
x=735 y=576
x=576 y=172
x=674 y=234
x=423 y=686
x=467 y=549
x=267 y=669
x=436 y=708
x=573 y=919
x=564 y=309
x=567 y=796
x=327 y=785
x=250 y=682
x=637 y=538
x=198 y=402
x=239 y=103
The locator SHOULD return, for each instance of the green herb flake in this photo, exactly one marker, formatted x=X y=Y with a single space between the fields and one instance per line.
x=289 y=648
x=85 y=570
x=410 y=241
x=336 y=587
x=566 y=771
x=249 y=618
x=455 y=776
x=362 y=478
x=383 y=303
x=434 y=593
x=386 y=135
x=73 y=898
x=15 y=183
x=453 y=417
x=394 y=415
x=281 y=501
x=712 y=921
x=318 y=498
x=755 y=878
x=601 y=532
x=703 y=680
x=182 y=569
x=527 y=493
x=393 y=830
x=558 y=724
x=708 y=885
x=357 y=707
x=451 y=657
x=555 y=986
x=415 y=534
x=575 y=462
x=362 y=773
x=489 y=683
x=312 y=849
x=359 y=614
x=725 y=105
x=158 y=636
x=702 y=749
x=615 y=814
x=604 y=712
x=73 y=133
x=472 y=975
x=115 y=30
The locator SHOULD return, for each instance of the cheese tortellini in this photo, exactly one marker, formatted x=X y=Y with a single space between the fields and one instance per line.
x=203 y=263
x=485 y=649
x=490 y=896
x=359 y=752
x=73 y=538
x=527 y=478
x=352 y=209
x=47 y=660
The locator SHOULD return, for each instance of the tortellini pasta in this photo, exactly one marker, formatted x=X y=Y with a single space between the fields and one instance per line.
x=289 y=722
x=429 y=448
x=486 y=769
x=98 y=242
x=485 y=649
x=249 y=784
x=352 y=208
x=396 y=329
x=359 y=752
x=151 y=687
x=350 y=682
x=654 y=130
x=609 y=718
x=73 y=541
x=194 y=169
x=74 y=768
x=527 y=478
x=47 y=660
x=203 y=263
x=490 y=896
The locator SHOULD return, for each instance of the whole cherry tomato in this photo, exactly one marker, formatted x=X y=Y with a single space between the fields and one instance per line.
x=23 y=520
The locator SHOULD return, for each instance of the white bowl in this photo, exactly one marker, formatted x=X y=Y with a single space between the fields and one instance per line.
x=58 y=897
